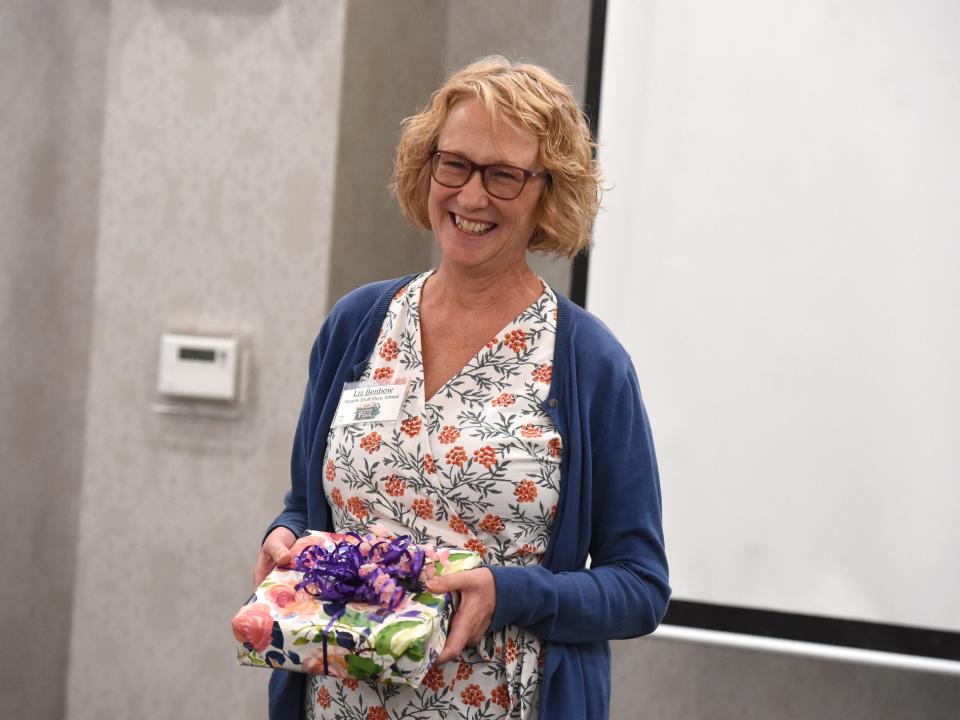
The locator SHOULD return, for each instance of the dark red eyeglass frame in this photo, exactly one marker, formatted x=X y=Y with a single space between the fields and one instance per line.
x=475 y=167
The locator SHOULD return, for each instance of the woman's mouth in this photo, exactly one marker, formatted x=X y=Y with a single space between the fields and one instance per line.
x=472 y=227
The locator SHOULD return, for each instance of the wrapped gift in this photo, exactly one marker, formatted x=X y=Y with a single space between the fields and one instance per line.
x=351 y=606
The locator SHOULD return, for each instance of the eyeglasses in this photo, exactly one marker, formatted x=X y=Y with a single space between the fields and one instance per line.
x=502 y=181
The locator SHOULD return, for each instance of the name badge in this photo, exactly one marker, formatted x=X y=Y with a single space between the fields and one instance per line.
x=371 y=401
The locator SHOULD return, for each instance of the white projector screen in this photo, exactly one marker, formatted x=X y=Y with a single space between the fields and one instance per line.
x=780 y=254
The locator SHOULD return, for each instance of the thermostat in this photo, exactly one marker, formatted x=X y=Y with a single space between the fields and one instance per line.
x=197 y=367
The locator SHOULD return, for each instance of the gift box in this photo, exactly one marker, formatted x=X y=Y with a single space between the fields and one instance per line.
x=352 y=606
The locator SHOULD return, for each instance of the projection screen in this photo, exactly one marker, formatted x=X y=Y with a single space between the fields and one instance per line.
x=780 y=254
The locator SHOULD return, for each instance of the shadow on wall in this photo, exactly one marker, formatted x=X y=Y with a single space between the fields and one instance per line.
x=381 y=85
x=53 y=85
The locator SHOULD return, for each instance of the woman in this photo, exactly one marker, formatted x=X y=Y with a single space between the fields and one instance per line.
x=521 y=436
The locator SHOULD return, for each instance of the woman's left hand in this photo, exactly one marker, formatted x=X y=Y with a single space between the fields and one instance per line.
x=478 y=600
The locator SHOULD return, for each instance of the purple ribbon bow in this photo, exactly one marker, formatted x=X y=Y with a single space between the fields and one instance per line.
x=365 y=568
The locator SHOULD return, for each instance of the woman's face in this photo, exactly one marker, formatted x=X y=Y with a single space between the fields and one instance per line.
x=506 y=226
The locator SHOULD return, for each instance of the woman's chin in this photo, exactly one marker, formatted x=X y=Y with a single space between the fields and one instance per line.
x=463 y=249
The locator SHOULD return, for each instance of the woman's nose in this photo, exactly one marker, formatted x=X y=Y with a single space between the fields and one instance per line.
x=473 y=193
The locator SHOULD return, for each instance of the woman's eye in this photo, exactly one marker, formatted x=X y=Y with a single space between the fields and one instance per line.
x=454 y=164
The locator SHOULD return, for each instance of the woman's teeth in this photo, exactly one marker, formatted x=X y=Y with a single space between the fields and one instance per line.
x=475 y=228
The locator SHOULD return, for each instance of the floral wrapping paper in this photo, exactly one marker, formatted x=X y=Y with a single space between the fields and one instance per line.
x=282 y=627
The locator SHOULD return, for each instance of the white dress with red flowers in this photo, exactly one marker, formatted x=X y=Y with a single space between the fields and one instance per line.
x=478 y=466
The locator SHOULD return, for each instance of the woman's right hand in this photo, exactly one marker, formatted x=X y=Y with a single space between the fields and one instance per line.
x=274 y=551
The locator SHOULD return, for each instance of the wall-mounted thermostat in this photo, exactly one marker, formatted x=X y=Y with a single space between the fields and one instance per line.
x=201 y=368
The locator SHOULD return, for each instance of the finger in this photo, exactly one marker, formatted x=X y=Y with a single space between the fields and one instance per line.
x=456 y=641
x=450 y=583
x=437 y=585
x=264 y=565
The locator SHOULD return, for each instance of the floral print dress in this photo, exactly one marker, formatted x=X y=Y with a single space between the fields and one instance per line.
x=476 y=466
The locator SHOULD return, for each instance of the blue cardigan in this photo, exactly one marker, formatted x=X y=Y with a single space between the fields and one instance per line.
x=609 y=505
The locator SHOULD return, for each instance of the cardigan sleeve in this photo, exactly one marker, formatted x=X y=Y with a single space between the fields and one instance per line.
x=625 y=591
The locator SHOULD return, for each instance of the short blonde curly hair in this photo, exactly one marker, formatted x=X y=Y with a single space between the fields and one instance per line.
x=529 y=97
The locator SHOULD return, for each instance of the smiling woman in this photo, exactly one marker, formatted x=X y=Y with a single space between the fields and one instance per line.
x=521 y=435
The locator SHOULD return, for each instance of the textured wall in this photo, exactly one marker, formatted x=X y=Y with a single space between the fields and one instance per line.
x=218 y=156
x=52 y=61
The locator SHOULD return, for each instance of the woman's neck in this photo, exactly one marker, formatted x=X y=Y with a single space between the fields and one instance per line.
x=482 y=291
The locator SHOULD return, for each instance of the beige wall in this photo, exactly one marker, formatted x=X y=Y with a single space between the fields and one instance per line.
x=218 y=155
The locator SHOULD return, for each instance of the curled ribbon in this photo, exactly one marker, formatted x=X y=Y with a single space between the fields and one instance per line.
x=365 y=569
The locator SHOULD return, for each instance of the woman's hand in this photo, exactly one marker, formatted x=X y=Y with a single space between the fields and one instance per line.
x=274 y=551
x=478 y=600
